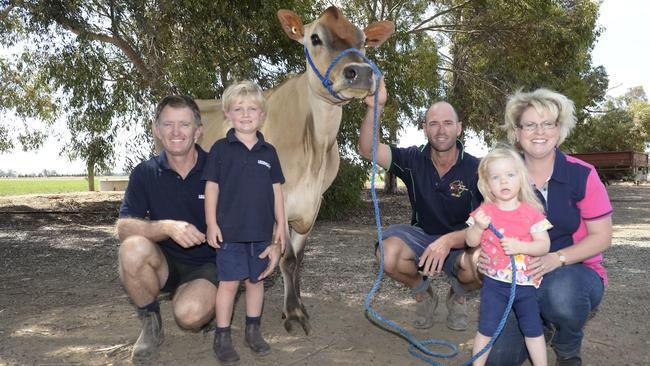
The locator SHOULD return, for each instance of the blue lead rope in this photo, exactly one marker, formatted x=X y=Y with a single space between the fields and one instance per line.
x=424 y=353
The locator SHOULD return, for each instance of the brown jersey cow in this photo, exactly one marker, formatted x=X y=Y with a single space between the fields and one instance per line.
x=302 y=122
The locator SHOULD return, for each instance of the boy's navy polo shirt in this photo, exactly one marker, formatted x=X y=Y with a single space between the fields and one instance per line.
x=158 y=191
x=245 y=208
x=566 y=187
x=439 y=205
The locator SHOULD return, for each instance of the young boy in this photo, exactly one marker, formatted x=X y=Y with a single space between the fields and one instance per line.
x=243 y=207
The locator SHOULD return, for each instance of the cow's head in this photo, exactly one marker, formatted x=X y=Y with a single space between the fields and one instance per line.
x=327 y=37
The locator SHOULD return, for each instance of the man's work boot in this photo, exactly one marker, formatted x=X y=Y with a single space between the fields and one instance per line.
x=254 y=340
x=457 y=319
x=224 y=349
x=425 y=311
x=146 y=348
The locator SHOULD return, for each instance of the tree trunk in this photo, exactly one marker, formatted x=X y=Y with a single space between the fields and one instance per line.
x=390 y=183
x=90 y=167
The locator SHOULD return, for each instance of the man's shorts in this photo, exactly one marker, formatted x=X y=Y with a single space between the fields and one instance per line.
x=418 y=241
x=239 y=261
x=182 y=272
x=494 y=298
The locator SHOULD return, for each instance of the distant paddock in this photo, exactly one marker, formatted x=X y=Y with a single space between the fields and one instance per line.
x=36 y=185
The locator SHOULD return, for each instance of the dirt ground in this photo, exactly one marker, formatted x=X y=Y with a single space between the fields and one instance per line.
x=61 y=301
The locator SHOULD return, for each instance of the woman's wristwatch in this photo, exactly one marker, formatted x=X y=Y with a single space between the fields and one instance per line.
x=562 y=258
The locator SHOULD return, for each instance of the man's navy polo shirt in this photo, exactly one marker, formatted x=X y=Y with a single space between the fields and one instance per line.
x=566 y=188
x=157 y=190
x=245 y=209
x=439 y=205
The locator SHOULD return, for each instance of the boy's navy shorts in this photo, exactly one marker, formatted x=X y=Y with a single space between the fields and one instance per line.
x=240 y=261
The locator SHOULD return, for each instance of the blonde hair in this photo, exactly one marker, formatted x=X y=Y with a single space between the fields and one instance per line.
x=559 y=106
x=243 y=89
x=525 y=194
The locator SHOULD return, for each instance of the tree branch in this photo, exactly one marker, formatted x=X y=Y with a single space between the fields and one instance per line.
x=599 y=110
x=476 y=76
x=370 y=8
x=463 y=28
x=446 y=11
x=5 y=12
x=442 y=30
x=80 y=31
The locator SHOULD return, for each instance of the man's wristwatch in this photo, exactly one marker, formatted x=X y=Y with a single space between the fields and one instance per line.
x=562 y=258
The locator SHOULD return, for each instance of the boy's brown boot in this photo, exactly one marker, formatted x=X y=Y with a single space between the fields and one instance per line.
x=224 y=349
x=254 y=340
x=146 y=348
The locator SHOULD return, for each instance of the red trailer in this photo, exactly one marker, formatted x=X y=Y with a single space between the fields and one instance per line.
x=618 y=165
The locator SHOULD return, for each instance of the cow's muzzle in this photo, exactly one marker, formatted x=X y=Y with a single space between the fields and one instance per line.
x=358 y=76
x=355 y=76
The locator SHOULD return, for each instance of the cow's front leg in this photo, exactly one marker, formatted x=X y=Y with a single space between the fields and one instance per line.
x=294 y=310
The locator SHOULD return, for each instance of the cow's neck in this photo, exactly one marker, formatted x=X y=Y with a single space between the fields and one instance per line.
x=325 y=115
x=311 y=117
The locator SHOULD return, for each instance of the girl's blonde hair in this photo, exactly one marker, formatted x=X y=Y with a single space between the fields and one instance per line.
x=243 y=89
x=526 y=193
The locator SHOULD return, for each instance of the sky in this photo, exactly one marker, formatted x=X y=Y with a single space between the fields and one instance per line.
x=621 y=48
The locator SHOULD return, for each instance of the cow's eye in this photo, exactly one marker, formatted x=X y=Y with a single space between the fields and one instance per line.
x=315 y=40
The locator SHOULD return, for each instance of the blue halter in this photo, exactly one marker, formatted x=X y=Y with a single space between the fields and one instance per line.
x=325 y=80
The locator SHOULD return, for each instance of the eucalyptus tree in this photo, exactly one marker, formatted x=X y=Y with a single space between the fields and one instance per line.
x=499 y=46
x=102 y=65
x=620 y=124
x=474 y=53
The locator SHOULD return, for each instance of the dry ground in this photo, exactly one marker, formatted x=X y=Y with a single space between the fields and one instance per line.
x=61 y=302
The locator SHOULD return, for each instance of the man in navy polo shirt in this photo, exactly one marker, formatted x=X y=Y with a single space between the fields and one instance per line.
x=442 y=186
x=161 y=229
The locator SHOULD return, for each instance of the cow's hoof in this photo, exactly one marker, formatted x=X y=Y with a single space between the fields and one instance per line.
x=288 y=325
x=296 y=315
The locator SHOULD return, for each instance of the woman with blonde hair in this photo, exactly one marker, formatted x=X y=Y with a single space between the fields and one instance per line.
x=576 y=203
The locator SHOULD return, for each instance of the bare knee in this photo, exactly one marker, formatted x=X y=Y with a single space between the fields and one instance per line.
x=135 y=252
x=194 y=303
x=392 y=255
x=468 y=274
x=228 y=288
x=192 y=314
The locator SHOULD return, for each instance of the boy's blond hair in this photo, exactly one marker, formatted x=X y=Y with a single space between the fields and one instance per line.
x=243 y=89
x=525 y=194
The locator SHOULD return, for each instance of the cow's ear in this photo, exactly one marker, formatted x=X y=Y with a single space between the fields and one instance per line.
x=291 y=24
x=378 y=32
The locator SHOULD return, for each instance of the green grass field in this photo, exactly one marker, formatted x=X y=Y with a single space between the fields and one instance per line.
x=17 y=186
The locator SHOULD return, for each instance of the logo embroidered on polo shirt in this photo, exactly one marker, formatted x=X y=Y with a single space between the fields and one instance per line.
x=457 y=188
x=201 y=196
x=262 y=162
